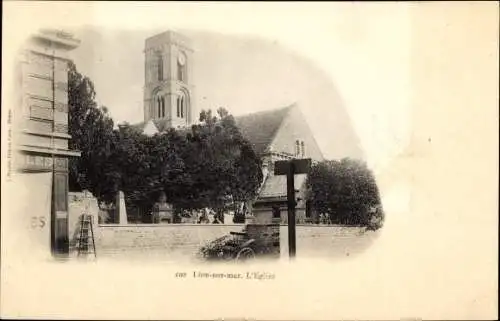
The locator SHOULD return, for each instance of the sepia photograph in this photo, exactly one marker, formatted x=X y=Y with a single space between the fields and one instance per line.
x=179 y=173
x=158 y=148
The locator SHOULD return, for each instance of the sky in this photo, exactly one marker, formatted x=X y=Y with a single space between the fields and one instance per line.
x=348 y=72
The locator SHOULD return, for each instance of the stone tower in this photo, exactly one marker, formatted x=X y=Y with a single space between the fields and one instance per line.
x=168 y=75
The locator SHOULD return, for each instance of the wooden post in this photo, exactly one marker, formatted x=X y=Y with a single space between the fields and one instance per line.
x=290 y=184
x=290 y=168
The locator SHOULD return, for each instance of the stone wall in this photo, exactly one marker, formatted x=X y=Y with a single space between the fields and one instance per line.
x=294 y=127
x=327 y=240
x=162 y=241
x=181 y=242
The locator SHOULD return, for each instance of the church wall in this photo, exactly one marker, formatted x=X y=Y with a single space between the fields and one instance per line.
x=295 y=127
x=192 y=90
x=175 y=88
x=168 y=71
x=265 y=209
x=170 y=37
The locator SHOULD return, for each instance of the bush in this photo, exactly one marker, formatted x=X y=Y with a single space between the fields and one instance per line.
x=346 y=190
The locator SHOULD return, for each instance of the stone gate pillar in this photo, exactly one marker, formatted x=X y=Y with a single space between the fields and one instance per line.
x=42 y=117
x=121 y=209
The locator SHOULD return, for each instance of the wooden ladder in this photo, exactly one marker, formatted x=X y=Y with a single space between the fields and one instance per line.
x=84 y=246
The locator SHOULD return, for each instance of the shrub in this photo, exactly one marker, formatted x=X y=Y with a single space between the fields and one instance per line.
x=346 y=190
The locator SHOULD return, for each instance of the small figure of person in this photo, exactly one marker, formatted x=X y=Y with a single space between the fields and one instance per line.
x=203 y=217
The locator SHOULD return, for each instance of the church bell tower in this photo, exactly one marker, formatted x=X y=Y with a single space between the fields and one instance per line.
x=168 y=74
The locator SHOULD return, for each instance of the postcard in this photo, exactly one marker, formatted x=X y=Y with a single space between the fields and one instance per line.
x=249 y=161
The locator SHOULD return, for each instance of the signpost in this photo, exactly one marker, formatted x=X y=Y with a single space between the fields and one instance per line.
x=290 y=168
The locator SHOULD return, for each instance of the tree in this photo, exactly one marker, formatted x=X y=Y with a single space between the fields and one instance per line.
x=132 y=159
x=207 y=165
x=91 y=130
x=222 y=166
x=346 y=190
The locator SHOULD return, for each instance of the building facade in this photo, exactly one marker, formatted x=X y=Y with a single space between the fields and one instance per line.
x=42 y=117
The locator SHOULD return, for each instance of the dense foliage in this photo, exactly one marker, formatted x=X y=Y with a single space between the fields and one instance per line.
x=92 y=134
x=209 y=164
x=347 y=192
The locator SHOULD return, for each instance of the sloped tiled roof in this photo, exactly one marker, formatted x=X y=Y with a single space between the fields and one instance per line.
x=275 y=186
x=260 y=128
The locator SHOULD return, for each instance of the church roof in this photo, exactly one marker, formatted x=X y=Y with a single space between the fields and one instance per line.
x=160 y=124
x=260 y=128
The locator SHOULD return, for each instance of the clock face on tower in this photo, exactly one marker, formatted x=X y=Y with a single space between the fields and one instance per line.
x=182 y=59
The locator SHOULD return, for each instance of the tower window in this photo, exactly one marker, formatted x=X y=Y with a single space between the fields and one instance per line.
x=181 y=75
x=158 y=106
x=297 y=148
x=303 y=149
x=163 y=106
x=178 y=106
x=182 y=107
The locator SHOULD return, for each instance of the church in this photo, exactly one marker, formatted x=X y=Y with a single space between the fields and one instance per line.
x=276 y=134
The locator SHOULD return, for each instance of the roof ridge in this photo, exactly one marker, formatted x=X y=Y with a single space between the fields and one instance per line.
x=261 y=128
